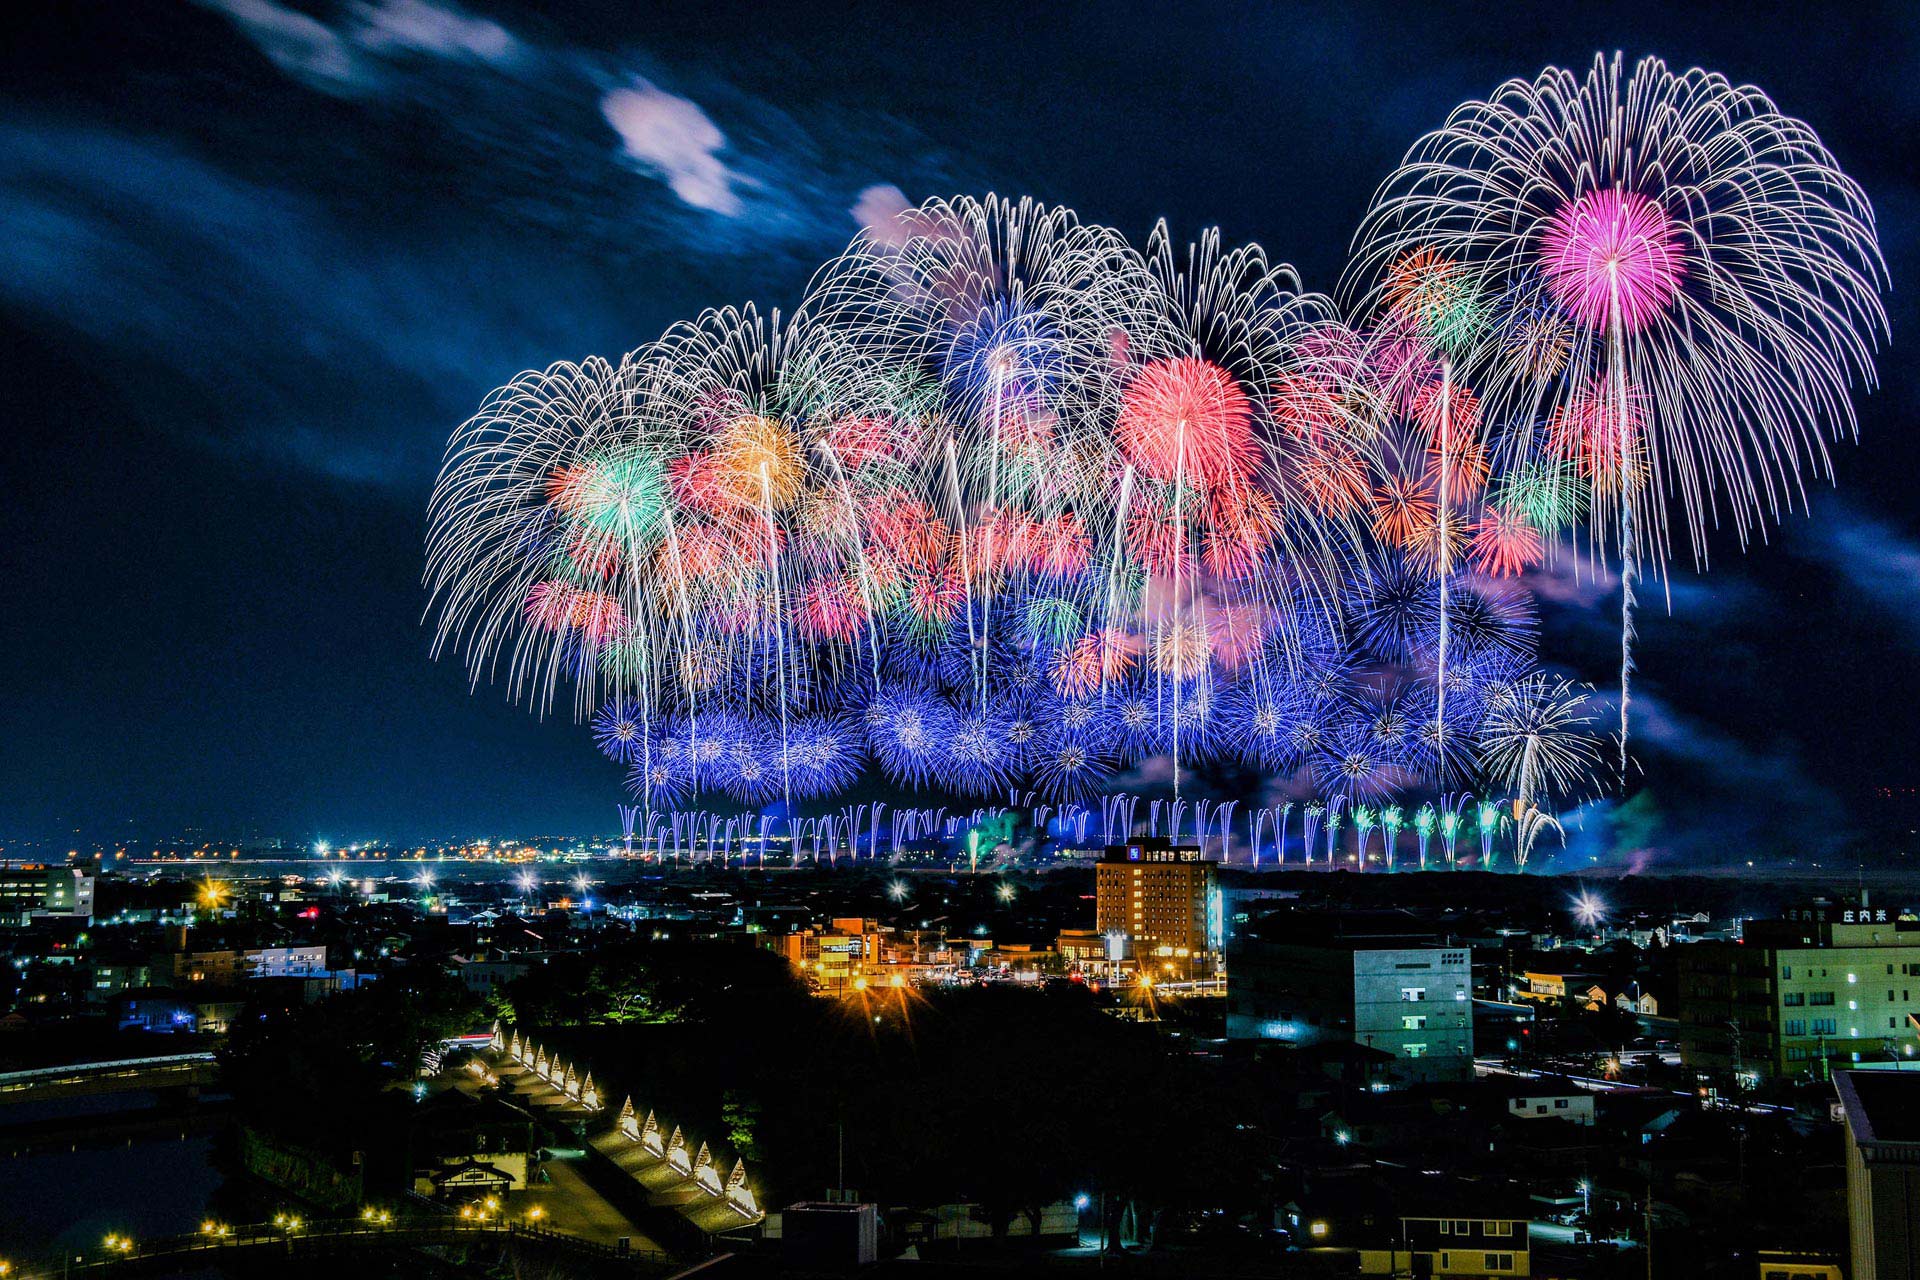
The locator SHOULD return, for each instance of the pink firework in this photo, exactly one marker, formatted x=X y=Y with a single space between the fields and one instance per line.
x=1187 y=416
x=1612 y=244
x=1061 y=546
x=1505 y=543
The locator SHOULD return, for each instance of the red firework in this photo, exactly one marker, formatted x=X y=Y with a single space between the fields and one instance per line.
x=832 y=609
x=1457 y=405
x=1590 y=431
x=700 y=484
x=1505 y=543
x=1060 y=547
x=1187 y=417
x=858 y=441
x=1309 y=407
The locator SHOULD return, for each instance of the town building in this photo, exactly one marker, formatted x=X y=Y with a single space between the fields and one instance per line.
x=1544 y=1098
x=1881 y=1110
x=1828 y=984
x=1305 y=980
x=1164 y=900
x=34 y=892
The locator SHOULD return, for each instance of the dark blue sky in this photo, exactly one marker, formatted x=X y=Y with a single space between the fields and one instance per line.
x=258 y=257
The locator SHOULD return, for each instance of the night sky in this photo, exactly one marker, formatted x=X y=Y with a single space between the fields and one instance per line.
x=258 y=259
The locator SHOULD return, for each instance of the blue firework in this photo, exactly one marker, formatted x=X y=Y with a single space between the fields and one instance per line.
x=660 y=781
x=1134 y=718
x=620 y=730
x=1353 y=763
x=1005 y=350
x=1483 y=621
x=979 y=755
x=908 y=731
x=1395 y=610
x=750 y=769
x=1069 y=769
x=1259 y=724
x=823 y=755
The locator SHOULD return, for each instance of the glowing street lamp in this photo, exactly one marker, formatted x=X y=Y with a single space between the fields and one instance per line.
x=897 y=890
x=1004 y=892
x=1589 y=910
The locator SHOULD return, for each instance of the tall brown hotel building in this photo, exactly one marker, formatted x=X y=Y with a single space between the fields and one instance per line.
x=1162 y=898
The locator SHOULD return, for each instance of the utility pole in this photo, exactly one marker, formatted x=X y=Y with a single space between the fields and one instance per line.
x=1649 y=1229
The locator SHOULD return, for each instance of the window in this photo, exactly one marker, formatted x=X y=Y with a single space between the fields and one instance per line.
x=1414 y=1022
x=1794 y=1027
x=1793 y=999
x=1825 y=1026
x=1416 y=1051
x=1413 y=993
x=1499 y=1262
x=1820 y=998
x=1499 y=1228
x=1560 y=1104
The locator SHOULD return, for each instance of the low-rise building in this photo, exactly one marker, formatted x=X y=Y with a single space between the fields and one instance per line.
x=1548 y=1099
x=1881 y=1110
x=1304 y=980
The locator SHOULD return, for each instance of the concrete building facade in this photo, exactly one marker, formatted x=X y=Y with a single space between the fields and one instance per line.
x=1304 y=982
x=1828 y=985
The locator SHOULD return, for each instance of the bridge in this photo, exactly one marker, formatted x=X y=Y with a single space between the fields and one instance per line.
x=77 y=1079
x=122 y=1257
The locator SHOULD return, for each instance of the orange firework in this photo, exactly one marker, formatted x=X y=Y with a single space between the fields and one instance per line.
x=1402 y=510
x=760 y=461
x=1467 y=466
x=1420 y=281
x=1439 y=544
x=1181 y=650
x=1334 y=478
x=1087 y=663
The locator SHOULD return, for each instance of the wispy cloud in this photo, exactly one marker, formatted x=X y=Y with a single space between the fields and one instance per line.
x=346 y=58
x=420 y=26
x=302 y=46
x=1874 y=558
x=672 y=137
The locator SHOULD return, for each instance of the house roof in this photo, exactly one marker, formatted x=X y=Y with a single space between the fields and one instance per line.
x=1882 y=1107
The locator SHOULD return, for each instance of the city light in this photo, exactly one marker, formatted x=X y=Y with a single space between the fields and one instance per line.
x=1589 y=910
x=1005 y=892
x=1082 y=1200
x=897 y=890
